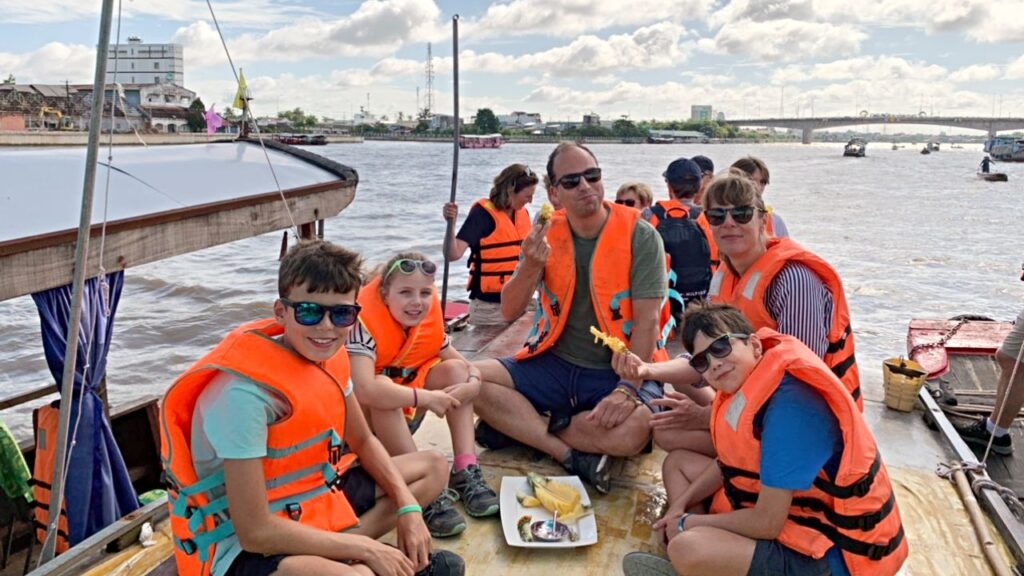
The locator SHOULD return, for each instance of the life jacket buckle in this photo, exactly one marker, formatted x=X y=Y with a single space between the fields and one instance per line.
x=334 y=454
x=294 y=510
x=188 y=546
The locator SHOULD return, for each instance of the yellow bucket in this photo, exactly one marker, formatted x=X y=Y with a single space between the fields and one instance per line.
x=902 y=380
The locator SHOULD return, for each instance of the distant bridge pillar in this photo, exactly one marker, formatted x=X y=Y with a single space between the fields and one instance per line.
x=991 y=131
x=806 y=139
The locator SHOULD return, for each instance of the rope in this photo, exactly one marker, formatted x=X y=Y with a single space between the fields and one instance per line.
x=246 y=111
x=1002 y=401
x=1009 y=496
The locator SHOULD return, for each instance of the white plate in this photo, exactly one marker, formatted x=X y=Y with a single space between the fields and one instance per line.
x=512 y=511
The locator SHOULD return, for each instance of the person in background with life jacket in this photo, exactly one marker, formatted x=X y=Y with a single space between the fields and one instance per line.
x=493 y=232
x=256 y=438
x=403 y=365
x=686 y=243
x=798 y=487
x=636 y=195
x=757 y=170
x=597 y=264
x=986 y=164
x=707 y=173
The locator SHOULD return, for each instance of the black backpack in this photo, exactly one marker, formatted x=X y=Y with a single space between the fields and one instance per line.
x=690 y=255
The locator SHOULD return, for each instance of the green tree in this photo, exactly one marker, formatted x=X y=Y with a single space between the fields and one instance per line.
x=10 y=79
x=625 y=128
x=197 y=116
x=422 y=127
x=486 y=122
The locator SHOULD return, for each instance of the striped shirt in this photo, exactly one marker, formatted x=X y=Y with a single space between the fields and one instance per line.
x=361 y=342
x=801 y=305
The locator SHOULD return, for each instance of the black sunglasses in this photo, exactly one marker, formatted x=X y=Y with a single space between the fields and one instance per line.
x=740 y=214
x=627 y=202
x=311 y=313
x=570 y=181
x=719 y=348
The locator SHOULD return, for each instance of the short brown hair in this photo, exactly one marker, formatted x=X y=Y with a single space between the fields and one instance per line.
x=751 y=164
x=712 y=320
x=321 y=266
x=642 y=191
x=512 y=179
x=549 y=178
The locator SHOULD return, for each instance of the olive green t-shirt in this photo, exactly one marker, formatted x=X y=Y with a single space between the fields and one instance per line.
x=647 y=280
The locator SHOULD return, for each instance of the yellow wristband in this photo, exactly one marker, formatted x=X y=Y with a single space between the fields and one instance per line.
x=629 y=395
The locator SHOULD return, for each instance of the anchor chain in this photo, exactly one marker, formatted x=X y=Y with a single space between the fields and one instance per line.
x=941 y=341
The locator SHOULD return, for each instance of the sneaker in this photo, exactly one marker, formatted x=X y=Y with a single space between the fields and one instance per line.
x=592 y=468
x=476 y=495
x=491 y=439
x=444 y=563
x=645 y=564
x=977 y=433
x=442 y=519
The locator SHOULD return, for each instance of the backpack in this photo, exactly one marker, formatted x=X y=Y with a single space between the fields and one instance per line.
x=689 y=253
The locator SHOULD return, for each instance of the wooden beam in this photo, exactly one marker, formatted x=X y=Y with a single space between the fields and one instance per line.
x=43 y=263
x=29 y=396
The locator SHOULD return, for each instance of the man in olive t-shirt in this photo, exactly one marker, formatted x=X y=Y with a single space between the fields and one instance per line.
x=567 y=401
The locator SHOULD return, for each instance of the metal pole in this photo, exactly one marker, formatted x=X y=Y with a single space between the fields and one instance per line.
x=81 y=263
x=455 y=158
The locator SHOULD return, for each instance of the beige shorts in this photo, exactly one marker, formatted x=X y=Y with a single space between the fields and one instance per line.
x=485 y=313
x=1012 y=344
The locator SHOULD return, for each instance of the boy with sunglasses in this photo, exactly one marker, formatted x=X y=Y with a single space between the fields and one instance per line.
x=798 y=487
x=261 y=439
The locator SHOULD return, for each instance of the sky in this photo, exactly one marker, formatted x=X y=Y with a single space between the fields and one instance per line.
x=642 y=59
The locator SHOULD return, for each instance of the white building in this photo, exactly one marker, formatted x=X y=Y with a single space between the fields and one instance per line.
x=702 y=113
x=139 y=63
x=520 y=119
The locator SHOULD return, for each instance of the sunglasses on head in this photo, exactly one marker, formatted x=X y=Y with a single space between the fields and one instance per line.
x=740 y=214
x=409 y=266
x=719 y=348
x=570 y=181
x=311 y=313
x=626 y=202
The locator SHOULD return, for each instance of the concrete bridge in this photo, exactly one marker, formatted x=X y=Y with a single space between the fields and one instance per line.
x=809 y=125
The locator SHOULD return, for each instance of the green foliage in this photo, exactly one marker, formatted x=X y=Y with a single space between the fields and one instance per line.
x=422 y=127
x=625 y=128
x=486 y=122
x=587 y=132
x=197 y=116
x=299 y=119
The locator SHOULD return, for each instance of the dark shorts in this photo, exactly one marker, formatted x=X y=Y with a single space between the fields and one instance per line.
x=359 y=488
x=773 y=558
x=250 y=564
x=555 y=386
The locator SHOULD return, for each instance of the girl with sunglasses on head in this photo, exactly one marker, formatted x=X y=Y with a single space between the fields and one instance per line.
x=493 y=232
x=798 y=486
x=403 y=365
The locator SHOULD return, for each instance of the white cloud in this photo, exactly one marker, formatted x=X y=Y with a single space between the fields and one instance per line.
x=568 y=18
x=874 y=68
x=252 y=13
x=51 y=63
x=1015 y=71
x=976 y=73
x=784 y=40
x=1005 y=23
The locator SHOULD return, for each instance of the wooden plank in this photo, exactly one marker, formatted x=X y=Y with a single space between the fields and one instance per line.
x=51 y=265
x=29 y=396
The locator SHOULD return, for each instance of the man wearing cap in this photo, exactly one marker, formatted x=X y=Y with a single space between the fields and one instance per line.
x=707 y=168
x=686 y=242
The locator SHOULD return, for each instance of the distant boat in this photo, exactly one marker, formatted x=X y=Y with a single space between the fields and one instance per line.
x=925 y=150
x=481 y=141
x=932 y=146
x=856 y=148
x=660 y=140
x=1005 y=149
x=993 y=176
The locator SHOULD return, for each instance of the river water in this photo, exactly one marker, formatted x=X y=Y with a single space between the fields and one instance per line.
x=912 y=236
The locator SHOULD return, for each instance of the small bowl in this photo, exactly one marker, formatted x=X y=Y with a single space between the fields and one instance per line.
x=544 y=531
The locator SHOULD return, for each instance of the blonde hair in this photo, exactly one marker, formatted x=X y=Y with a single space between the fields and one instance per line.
x=642 y=191
x=514 y=178
x=382 y=270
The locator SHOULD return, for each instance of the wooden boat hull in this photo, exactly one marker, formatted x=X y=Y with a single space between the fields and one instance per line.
x=993 y=176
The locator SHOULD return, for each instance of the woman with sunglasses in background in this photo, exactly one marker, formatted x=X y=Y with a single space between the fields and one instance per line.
x=798 y=487
x=493 y=232
x=403 y=365
x=636 y=195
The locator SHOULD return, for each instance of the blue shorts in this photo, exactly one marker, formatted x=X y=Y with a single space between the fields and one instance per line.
x=557 y=387
x=772 y=558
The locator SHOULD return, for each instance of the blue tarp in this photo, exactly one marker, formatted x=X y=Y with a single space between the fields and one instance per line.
x=98 y=490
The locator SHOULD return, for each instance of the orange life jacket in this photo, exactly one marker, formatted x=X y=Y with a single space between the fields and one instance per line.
x=45 y=420
x=404 y=356
x=496 y=259
x=748 y=294
x=856 y=510
x=609 y=283
x=304 y=451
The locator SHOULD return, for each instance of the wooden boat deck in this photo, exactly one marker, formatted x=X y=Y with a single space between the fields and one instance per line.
x=936 y=525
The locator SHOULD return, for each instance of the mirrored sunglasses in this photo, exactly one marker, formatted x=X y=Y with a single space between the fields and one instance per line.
x=570 y=181
x=409 y=266
x=740 y=214
x=311 y=313
x=719 y=348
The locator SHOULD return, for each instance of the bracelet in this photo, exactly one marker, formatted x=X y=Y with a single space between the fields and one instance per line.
x=630 y=387
x=630 y=396
x=415 y=398
x=409 y=509
x=682 y=522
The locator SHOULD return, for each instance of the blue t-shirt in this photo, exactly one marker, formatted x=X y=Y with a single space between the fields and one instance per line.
x=799 y=437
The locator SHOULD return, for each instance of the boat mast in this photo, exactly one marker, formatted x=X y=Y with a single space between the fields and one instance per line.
x=455 y=160
x=81 y=264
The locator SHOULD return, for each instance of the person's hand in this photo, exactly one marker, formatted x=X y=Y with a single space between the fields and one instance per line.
x=612 y=410
x=465 y=391
x=669 y=523
x=681 y=413
x=535 y=246
x=451 y=211
x=629 y=366
x=414 y=540
x=388 y=560
x=438 y=401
